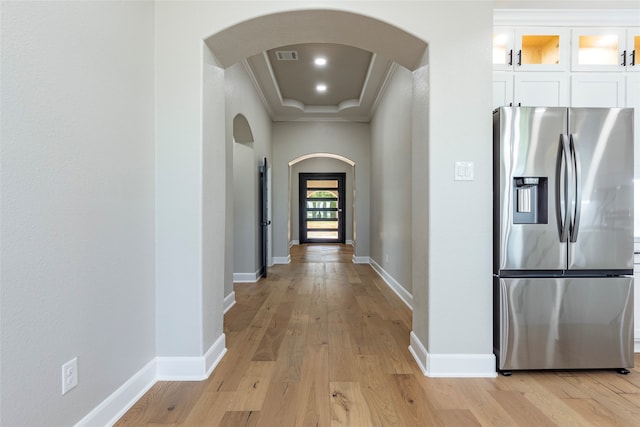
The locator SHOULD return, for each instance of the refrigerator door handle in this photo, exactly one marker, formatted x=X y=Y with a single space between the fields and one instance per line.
x=562 y=188
x=575 y=159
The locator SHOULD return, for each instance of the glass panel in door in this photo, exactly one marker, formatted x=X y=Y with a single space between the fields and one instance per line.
x=540 y=49
x=322 y=208
x=598 y=49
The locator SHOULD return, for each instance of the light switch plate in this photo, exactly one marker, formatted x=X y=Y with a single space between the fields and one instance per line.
x=463 y=171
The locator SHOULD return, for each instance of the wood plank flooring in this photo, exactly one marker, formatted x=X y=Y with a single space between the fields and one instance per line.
x=324 y=342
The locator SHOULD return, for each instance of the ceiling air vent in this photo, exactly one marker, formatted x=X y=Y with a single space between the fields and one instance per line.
x=287 y=55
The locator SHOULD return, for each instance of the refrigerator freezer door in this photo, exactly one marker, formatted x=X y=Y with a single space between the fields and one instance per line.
x=557 y=323
x=602 y=228
x=527 y=145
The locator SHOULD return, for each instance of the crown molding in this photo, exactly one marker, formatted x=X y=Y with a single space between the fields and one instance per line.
x=567 y=17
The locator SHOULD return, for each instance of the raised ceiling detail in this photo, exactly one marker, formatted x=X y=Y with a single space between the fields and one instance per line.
x=249 y=41
x=354 y=78
x=344 y=74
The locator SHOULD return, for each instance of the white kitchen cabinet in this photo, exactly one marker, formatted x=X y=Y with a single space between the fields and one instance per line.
x=530 y=89
x=633 y=49
x=605 y=49
x=598 y=90
x=598 y=49
x=541 y=89
x=530 y=49
x=502 y=89
x=503 y=48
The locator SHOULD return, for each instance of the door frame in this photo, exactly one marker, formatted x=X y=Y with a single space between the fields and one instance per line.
x=303 y=177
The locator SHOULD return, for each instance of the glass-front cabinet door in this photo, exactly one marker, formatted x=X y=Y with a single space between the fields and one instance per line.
x=599 y=49
x=541 y=49
x=530 y=49
x=633 y=49
x=503 y=48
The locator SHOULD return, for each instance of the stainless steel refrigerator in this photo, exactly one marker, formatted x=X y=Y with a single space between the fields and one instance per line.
x=563 y=238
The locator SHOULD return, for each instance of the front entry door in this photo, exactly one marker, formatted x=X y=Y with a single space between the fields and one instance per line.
x=322 y=208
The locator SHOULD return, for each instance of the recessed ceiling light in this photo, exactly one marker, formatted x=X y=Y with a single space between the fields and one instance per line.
x=320 y=61
x=321 y=87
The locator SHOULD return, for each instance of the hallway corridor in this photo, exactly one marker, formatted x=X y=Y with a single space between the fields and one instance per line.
x=323 y=341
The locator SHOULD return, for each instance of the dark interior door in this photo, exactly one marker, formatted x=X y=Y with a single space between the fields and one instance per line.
x=264 y=219
x=322 y=207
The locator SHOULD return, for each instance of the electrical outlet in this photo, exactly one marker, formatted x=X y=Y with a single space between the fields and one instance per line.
x=69 y=375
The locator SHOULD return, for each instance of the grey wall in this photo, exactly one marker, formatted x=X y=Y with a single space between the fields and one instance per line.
x=292 y=140
x=391 y=179
x=77 y=201
x=321 y=165
x=241 y=98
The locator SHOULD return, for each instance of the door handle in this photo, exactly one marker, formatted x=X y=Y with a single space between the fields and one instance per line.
x=575 y=227
x=562 y=188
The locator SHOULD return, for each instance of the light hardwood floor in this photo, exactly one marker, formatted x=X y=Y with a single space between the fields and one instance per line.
x=323 y=342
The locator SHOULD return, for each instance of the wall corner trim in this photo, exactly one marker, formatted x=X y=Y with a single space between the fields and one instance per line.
x=246 y=277
x=396 y=287
x=419 y=352
x=361 y=260
x=121 y=400
x=452 y=365
x=191 y=368
x=282 y=259
x=229 y=301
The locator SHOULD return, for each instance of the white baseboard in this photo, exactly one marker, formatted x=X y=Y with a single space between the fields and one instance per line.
x=294 y=242
x=282 y=259
x=396 y=287
x=229 y=301
x=246 y=277
x=418 y=352
x=214 y=355
x=191 y=368
x=348 y=242
x=121 y=400
x=361 y=260
x=636 y=344
x=452 y=365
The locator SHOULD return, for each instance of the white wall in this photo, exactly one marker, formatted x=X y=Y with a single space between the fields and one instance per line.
x=391 y=179
x=77 y=203
x=241 y=98
x=292 y=140
x=321 y=164
x=216 y=153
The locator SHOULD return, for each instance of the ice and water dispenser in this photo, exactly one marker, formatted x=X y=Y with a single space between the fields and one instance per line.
x=531 y=200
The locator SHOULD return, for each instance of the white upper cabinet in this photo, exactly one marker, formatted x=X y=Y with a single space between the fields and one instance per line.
x=503 y=48
x=605 y=49
x=530 y=49
x=600 y=49
x=633 y=49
